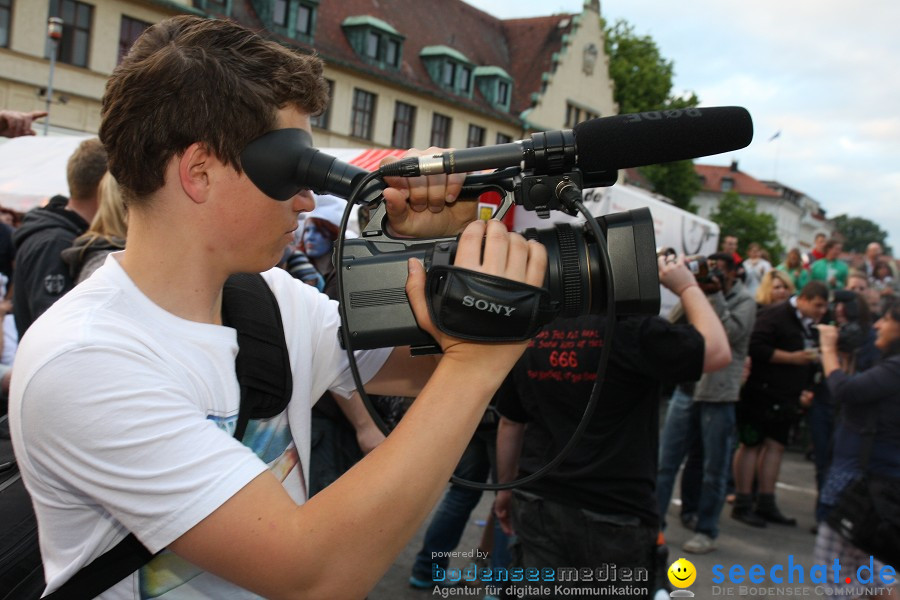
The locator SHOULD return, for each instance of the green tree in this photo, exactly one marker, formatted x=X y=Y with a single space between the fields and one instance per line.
x=643 y=82
x=738 y=217
x=859 y=233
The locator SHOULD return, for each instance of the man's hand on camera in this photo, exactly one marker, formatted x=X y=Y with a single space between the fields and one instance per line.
x=674 y=274
x=426 y=207
x=504 y=254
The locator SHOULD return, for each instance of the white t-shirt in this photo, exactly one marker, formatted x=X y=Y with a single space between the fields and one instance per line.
x=755 y=269
x=122 y=418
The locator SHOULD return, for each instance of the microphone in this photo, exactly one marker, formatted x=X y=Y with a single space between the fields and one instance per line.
x=602 y=144
x=283 y=161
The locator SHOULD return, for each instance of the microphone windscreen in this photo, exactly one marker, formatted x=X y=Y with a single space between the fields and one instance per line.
x=650 y=138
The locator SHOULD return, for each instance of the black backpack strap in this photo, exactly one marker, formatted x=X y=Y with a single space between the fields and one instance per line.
x=105 y=571
x=263 y=370
x=263 y=364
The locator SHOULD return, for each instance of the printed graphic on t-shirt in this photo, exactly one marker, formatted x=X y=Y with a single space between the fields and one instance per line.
x=567 y=356
x=271 y=440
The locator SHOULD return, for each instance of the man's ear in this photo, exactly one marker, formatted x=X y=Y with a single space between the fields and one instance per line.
x=193 y=171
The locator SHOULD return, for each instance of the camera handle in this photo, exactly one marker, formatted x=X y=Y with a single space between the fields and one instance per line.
x=569 y=195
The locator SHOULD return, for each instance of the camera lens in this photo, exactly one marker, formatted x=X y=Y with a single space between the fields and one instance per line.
x=576 y=277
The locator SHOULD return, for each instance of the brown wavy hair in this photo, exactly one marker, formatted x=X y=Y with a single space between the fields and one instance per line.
x=188 y=79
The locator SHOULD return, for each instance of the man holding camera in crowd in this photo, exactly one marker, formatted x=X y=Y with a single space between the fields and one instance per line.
x=784 y=354
x=142 y=443
x=598 y=506
x=708 y=413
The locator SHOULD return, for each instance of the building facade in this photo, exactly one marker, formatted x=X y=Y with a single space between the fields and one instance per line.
x=403 y=73
x=798 y=218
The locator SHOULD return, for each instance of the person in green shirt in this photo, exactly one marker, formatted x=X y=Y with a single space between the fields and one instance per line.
x=793 y=266
x=830 y=270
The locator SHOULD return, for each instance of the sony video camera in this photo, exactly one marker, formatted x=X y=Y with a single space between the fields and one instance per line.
x=544 y=172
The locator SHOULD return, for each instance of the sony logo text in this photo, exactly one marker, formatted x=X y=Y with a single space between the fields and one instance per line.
x=491 y=307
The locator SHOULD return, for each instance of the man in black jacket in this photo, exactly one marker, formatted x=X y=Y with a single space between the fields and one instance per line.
x=41 y=277
x=783 y=349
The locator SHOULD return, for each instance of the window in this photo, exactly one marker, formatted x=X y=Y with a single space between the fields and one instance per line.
x=449 y=76
x=130 y=30
x=392 y=53
x=475 y=137
x=404 y=119
x=374 y=40
x=727 y=184
x=77 y=18
x=502 y=138
x=304 y=19
x=440 y=130
x=450 y=69
x=573 y=115
x=323 y=120
x=294 y=18
x=363 y=114
x=495 y=85
x=5 y=20
x=503 y=93
x=372 y=44
x=279 y=12
x=465 y=79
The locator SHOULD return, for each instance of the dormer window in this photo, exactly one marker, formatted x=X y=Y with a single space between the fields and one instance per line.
x=448 y=68
x=392 y=52
x=305 y=19
x=279 y=12
x=449 y=77
x=503 y=92
x=495 y=85
x=374 y=40
x=292 y=18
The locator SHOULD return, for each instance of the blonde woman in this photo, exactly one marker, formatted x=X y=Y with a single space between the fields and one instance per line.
x=106 y=233
x=775 y=286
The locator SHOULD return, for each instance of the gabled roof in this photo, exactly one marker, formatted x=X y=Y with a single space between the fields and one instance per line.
x=745 y=185
x=523 y=48
x=532 y=44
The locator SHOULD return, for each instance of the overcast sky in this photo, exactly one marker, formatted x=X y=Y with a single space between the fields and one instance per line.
x=824 y=73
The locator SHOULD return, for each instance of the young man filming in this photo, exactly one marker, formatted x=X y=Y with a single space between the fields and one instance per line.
x=125 y=394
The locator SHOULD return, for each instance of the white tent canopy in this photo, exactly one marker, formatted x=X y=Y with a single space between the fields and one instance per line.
x=33 y=168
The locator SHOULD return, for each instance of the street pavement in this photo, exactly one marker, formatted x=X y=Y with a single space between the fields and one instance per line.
x=738 y=544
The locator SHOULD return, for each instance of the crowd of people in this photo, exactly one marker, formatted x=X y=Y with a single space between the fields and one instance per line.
x=123 y=397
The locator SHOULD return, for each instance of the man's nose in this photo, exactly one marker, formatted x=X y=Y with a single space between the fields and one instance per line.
x=304 y=201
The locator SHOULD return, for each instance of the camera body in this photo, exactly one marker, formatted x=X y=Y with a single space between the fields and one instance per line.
x=851 y=333
x=374 y=273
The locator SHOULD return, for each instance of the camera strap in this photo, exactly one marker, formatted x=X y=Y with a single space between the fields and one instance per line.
x=481 y=307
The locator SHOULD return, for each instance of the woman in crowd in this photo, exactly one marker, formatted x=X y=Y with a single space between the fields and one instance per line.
x=794 y=267
x=321 y=229
x=105 y=235
x=883 y=279
x=775 y=286
x=869 y=399
x=755 y=266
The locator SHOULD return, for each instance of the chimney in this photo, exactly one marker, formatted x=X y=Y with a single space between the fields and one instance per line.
x=734 y=166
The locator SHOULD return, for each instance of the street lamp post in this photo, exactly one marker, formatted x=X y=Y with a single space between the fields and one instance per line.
x=54 y=33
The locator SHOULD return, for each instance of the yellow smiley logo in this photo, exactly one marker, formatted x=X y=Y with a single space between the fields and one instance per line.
x=682 y=573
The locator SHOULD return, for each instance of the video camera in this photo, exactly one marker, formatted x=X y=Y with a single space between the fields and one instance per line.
x=544 y=172
x=845 y=309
